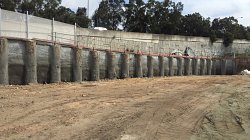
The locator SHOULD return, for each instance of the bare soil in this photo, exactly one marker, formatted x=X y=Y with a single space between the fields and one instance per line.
x=215 y=107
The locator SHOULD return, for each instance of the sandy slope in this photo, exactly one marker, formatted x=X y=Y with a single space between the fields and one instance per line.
x=157 y=108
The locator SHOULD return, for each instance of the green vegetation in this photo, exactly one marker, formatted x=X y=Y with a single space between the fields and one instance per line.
x=159 y=17
x=48 y=9
x=228 y=39
x=212 y=36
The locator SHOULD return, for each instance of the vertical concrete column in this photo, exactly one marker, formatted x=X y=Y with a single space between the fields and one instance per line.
x=138 y=65
x=195 y=66
x=187 y=62
x=223 y=66
x=234 y=67
x=202 y=66
x=180 y=66
x=213 y=67
x=30 y=62
x=150 y=66
x=56 y=64
x=4 y=76
x=77 y=65
x=111 y=73
x=209 y=66
x=125 y=65
x=161 y=65
x=171 y=63
x=94 y=66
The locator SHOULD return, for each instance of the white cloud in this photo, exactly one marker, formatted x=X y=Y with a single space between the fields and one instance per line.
x=211 y=8
x=219 y=8
x=74 y=4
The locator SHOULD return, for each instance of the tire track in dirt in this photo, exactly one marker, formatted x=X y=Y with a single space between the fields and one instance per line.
x=162 y=121
x=151 y=108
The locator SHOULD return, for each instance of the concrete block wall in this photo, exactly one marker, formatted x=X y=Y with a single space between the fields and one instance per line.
x=27 y=61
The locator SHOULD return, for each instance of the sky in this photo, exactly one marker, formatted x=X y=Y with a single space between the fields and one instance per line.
x=207 y=8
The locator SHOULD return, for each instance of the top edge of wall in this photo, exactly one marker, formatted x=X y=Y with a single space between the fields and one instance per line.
x=147 y=36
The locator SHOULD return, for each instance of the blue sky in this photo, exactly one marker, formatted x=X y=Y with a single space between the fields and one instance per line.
x=207 y=8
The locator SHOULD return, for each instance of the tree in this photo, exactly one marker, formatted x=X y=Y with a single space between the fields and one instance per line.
x=174 y=17
x=102 y=16
x=212 y=36
x=135 y=17
x=8 y=4
x=110 y=14
x=247 y=34
x=163 y=17
x=228 y=24
x=81 y=18
x=52 y=9
x=154 y=14
x=228 y=39
x=195 y=25
x=66 y=15
x=34 y=7
x=42 y=8
x=228 y=28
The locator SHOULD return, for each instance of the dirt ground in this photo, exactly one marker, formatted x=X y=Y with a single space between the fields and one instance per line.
x=176 y=108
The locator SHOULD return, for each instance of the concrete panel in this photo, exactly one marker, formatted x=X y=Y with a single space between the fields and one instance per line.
x=67 y=64
x=77 y=65
x=213 y=67
x=118 y=65
x=55 y=66
x=30 y=63
x=138 y=65
x=102 y=64
x=111 y=64
x=166 y=66
x=150 y=66
x=205 y=66
x=194 y=66
x=4 y=51
x=43 y=63
x=94 y=65
x=235 y=67
x=125 y=65
x=171 y=63
x=155 y=61
x=202 y=66
x=144 y=65
x=209 y=66
x=180 y=65
x=175 y=67
x=131 y=65
x=85 y=65
x=161 y=65
x=229 y=67
x=16 y=59
x=223 y=64
x=187 y=66
x=199 y=67
x=217 y=67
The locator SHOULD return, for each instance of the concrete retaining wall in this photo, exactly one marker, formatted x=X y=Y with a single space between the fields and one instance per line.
x=26 y=61
x=156 y=43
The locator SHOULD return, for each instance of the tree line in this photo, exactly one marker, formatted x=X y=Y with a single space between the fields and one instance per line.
x=48 y=9
x=153 y=16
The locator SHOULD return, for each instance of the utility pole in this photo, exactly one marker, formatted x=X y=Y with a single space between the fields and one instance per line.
x=88 y=9
x=0 y=22
x=27 y=24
